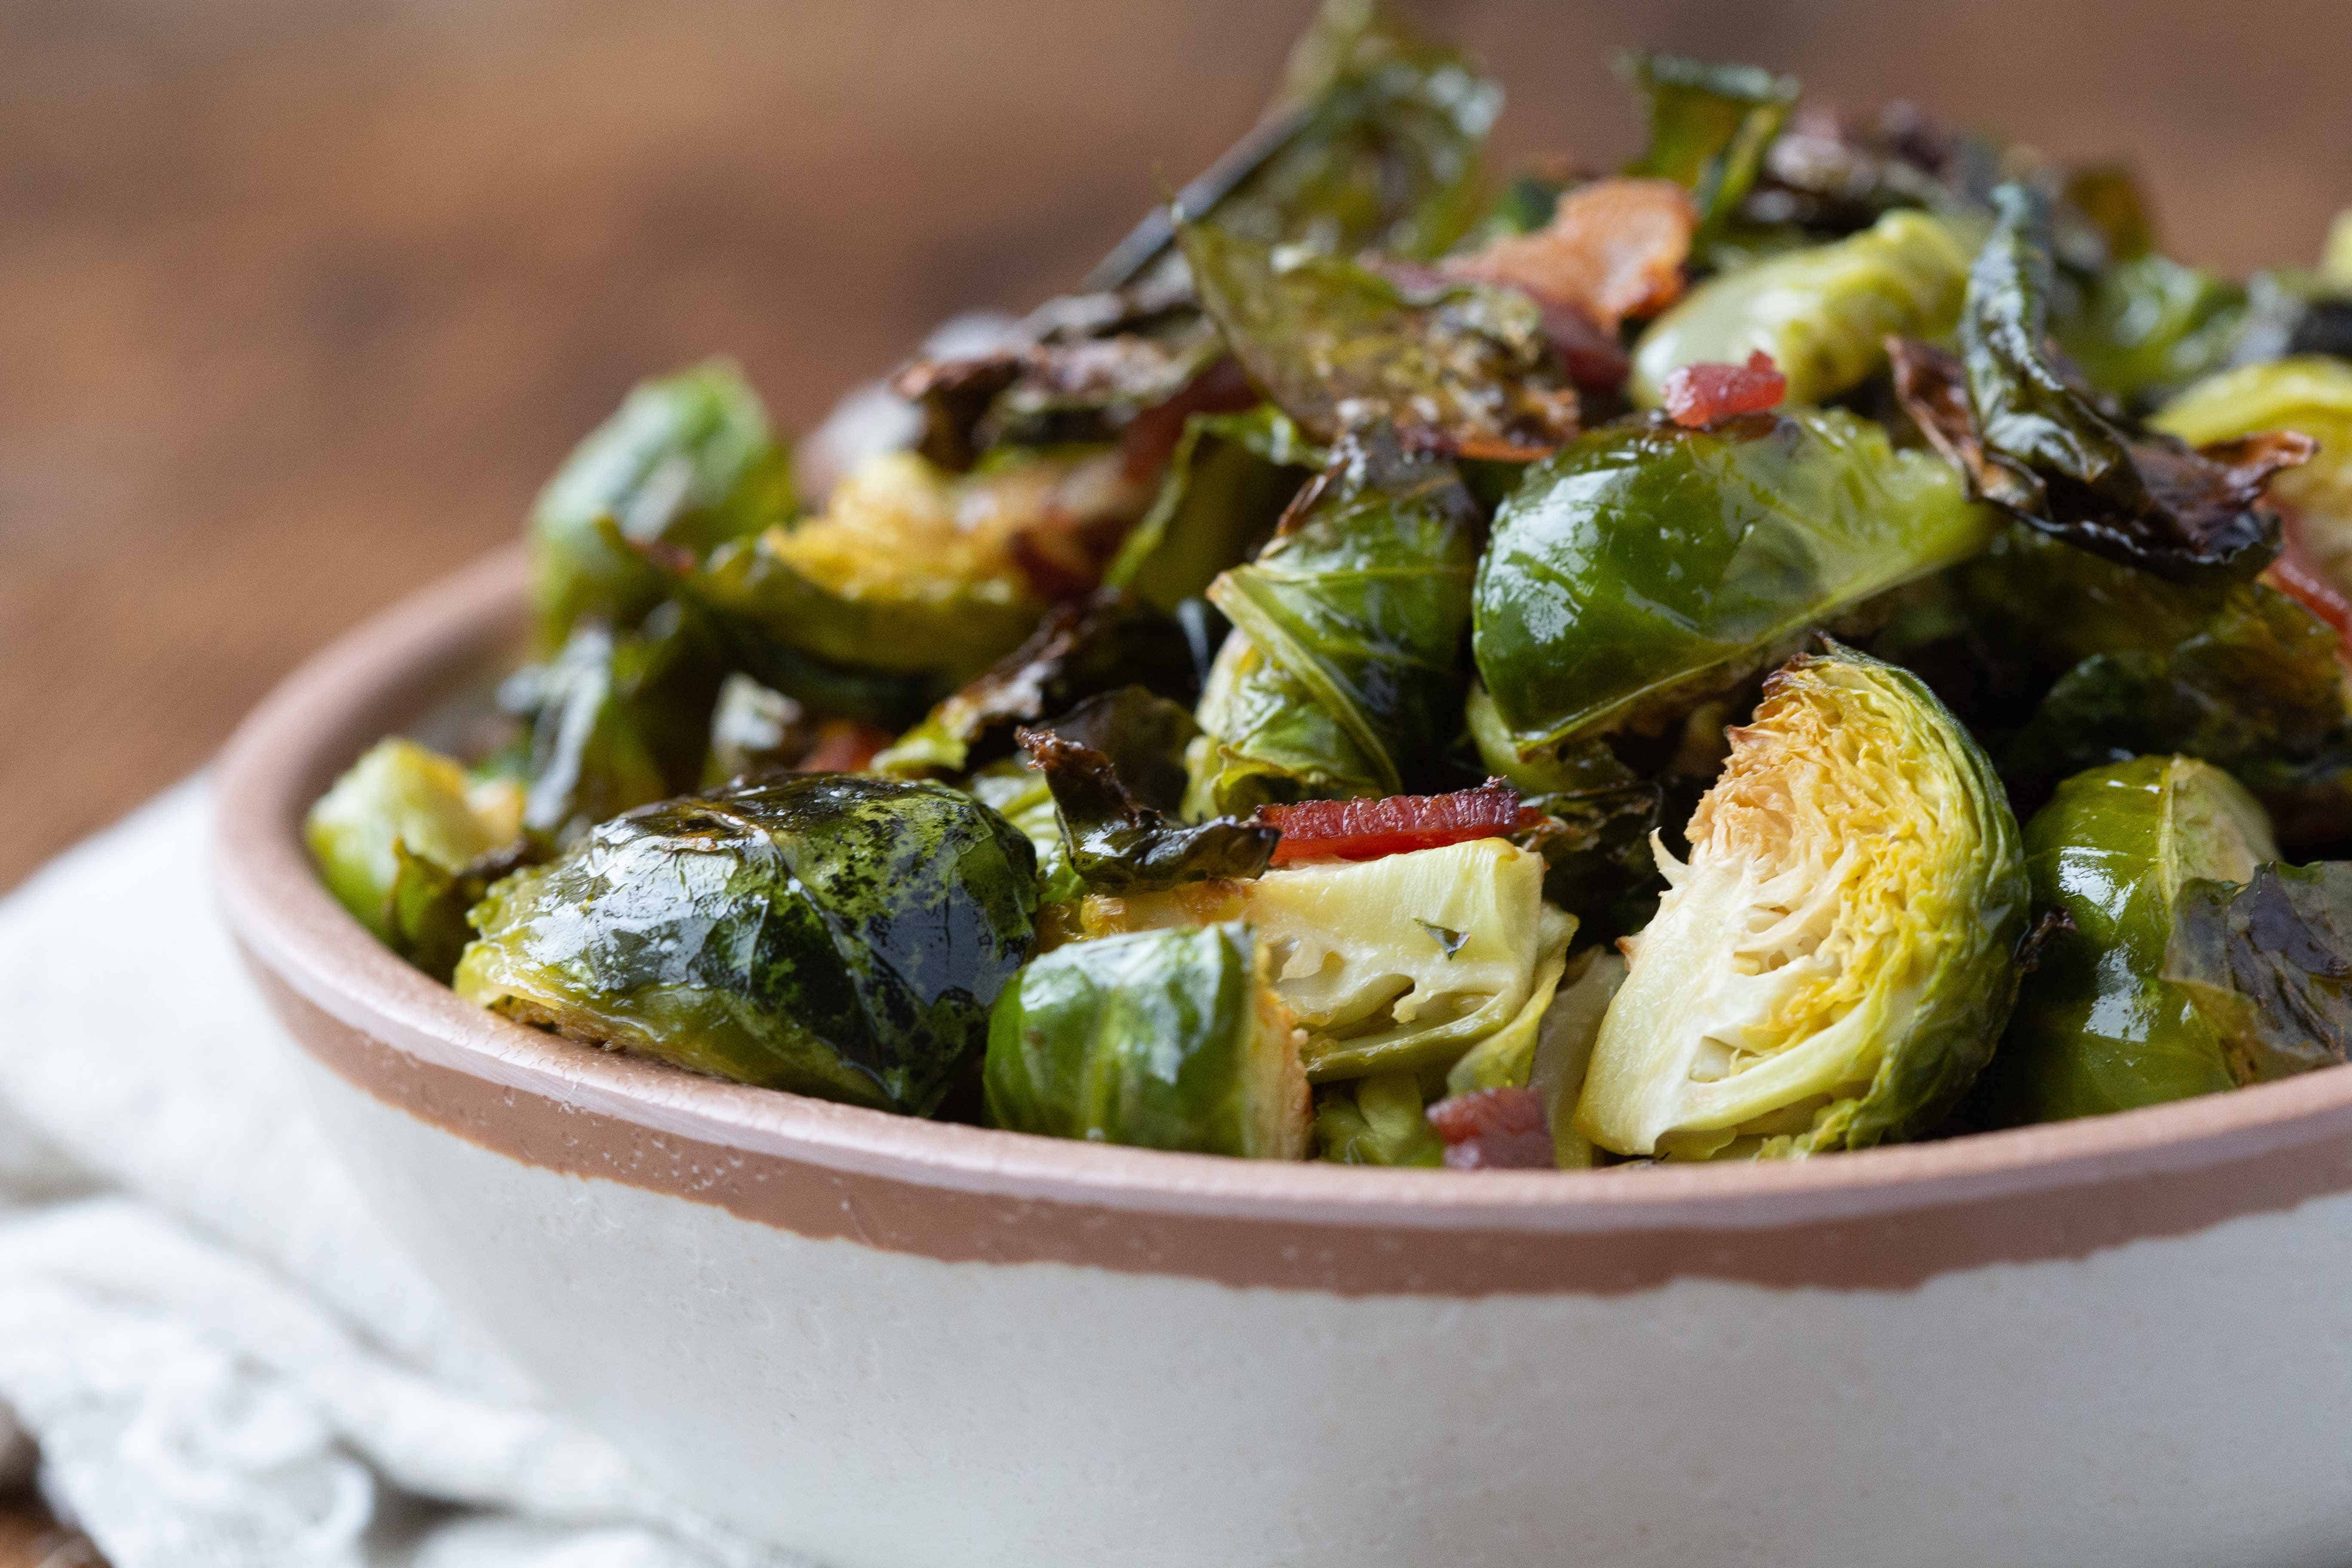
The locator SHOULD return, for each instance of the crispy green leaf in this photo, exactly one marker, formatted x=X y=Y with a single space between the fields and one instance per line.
x=688 y=461
x=1648 y=567
x=2267 y=962
x=1344 y=673
x=832 y=935
x=1116 y=770
x=1710 y=126
x=1457 y=366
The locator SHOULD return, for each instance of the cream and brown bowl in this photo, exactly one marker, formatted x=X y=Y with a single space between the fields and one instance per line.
x=889 y=1341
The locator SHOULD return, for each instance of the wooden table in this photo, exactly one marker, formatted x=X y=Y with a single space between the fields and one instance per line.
x=299 y=302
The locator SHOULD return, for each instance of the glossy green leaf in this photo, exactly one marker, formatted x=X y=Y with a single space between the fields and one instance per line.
x=1647 y=567
x=1165 y=1040
x=1710 y=126
x=832 y=935
x=1226 y=486
x=1831 y=968
x=1344 y=673
x=1570 y=1027
x=686 y=461
x=1823 y=312
x=2097 y=1028
x=2267 y=964
x=1457 y=365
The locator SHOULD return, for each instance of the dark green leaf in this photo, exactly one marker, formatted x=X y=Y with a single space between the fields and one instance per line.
x=1457 y=366
x=2268 y=964
x=834 y=934
x=1116 y=841
x=1226 y=486
x=1710 y=126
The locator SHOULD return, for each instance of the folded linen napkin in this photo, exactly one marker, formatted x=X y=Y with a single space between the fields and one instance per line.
x=222 y=1358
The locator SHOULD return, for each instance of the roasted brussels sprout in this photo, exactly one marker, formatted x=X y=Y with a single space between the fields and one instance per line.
x=1822 y=313
x=687 y=462
x=1343 y=675
x=1165 y=1040
x=838 y=935
x=1831 y=968
x=2097 y=1028
x=916 y=572
x=1564 y=1043
x=1377 y=1121
x=2149 y=324
x=2311 y=394
x=1648 y=567
x=404 y=837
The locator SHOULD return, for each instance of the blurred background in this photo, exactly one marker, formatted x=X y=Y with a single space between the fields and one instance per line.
x=301 y=300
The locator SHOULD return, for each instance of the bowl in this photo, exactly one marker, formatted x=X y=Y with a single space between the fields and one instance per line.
x=889 y=1341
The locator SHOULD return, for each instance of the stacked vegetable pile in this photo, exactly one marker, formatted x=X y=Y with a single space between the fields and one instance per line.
x=1402 y=675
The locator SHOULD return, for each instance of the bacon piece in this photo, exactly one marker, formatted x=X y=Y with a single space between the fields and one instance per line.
x=2297 y=573
x=1493 y=1130
x=844 y=746
x=1698 y=395
x=1367 y=829
x=1614 y=249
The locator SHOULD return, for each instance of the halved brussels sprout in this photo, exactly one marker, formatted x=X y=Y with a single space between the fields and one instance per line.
x=1343 y=673
x=1400 y=963
x=2097 y=1028
x=916 y=571
x=2311 y=393
x=396 y=837
x=686 y=461
x=1165 y=1040
x=1823 y=313
x=835 y=934
x=1831 y=967
x=1647 y=567
x=1377 y=1121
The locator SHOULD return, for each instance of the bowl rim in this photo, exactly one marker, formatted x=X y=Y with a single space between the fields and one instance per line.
x=319 y=719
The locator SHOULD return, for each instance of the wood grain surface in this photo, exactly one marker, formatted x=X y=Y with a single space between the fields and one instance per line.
x=301 y=300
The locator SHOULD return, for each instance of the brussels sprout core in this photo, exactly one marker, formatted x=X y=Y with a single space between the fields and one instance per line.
x=1832 y=966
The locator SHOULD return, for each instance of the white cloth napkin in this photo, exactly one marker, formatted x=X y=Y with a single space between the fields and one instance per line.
x=222 y=1358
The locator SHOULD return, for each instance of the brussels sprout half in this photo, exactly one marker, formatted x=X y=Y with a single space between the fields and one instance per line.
x=1831 y=967
x=1165 y=1040
x=395 y=837
x=1647 y=567
x=1822 y=313
x=2097 y=1028
x=839 y=936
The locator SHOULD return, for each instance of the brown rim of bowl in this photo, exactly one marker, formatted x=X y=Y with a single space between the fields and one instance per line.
x=380 y=675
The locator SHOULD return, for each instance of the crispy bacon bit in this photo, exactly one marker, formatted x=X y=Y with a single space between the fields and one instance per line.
x=2297 y=573
x=844 y=746
x=1493 y=1130
x=1367 y=829
x=1698 y=395
x=1614 y=249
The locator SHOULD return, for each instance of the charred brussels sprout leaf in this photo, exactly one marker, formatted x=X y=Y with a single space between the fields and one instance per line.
x=1458 y=366
x=1647 y=567
x=406 y=841
x=1373 y=143
x=2097 y=1028
x=2034 y=443
x=1376 y=1120
x=2268 y=966
x=914 y=572
x=2311 y=395
x=835 y=935
x=1079 y=650
x=1099 y=760
x=616 y=721
x=1225 y=487
x=686 y=461
x=1343 y=675
x=1710 y=126
x=1831 y=968
x=1822 y=313
x=1163 y=1039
